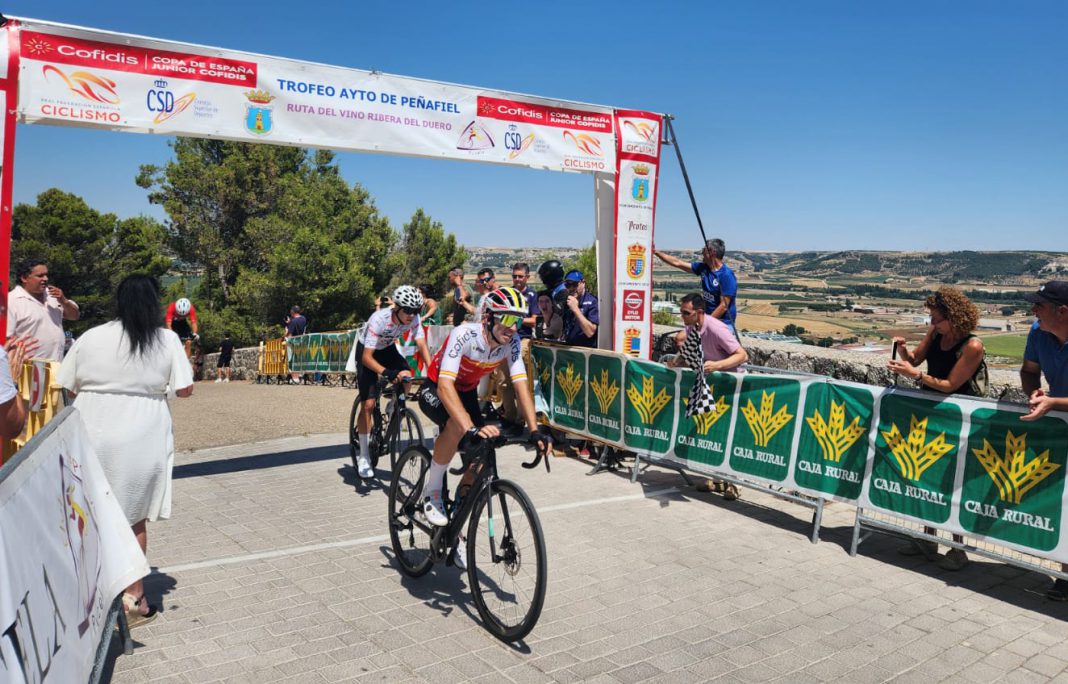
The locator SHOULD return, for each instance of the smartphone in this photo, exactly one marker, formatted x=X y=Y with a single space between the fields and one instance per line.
x=893 y=352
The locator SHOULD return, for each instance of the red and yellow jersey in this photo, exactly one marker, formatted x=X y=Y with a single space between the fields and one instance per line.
x=466 y=357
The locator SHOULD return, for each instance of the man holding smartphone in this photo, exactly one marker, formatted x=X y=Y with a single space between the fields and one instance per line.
x=37 y=309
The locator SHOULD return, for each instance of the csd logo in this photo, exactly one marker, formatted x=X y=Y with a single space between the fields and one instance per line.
x=513 y=140
x=159 y=99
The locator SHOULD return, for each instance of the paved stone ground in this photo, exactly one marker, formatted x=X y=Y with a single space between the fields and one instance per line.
x=276 y=567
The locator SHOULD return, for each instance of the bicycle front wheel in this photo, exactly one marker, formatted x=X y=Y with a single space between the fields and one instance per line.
x=407 y=528
x=407 y=432
x=506 y=565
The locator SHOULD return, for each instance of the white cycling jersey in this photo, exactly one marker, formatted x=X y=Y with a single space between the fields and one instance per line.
x=466 y=357
x=381 y=330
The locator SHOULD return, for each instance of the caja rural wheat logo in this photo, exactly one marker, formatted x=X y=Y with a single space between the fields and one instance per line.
x=570 y=382
x=915 y=454
x=834 y=436
x=763 y=424
x=1013 y=473
x=646 y=401
x=605 y=389
x=704 y=421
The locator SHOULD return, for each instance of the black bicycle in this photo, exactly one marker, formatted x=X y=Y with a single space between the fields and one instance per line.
x=505 y=547
x=391 y=430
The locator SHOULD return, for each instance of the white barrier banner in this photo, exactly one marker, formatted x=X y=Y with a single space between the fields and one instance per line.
x=66 y=551
x=74 y=76
x=636 y=173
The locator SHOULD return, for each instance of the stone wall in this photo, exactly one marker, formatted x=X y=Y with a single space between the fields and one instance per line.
x=862 y=367
x=243 y=364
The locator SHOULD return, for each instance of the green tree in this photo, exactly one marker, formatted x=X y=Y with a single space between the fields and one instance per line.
x=792 y=329
x=428 y=253
x=210 y=191
x=272 y=227
x=585 y=261
x=87 y=252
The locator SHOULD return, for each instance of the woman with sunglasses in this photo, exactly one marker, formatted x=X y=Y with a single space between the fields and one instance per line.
x=450 y=395
x=378 y=355
x=955 y=365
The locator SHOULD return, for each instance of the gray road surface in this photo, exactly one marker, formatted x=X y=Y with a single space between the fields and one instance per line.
x=276 y=567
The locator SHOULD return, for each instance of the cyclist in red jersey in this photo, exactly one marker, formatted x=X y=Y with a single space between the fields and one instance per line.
x=450 y=397
x=182 y=320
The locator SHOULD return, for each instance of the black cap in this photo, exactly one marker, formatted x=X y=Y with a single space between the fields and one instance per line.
x=1055 y=291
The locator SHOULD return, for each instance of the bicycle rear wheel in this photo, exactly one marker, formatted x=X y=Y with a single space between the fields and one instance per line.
x=375 y=443
x=506 y=565
x=410 y=541
x=407 y=431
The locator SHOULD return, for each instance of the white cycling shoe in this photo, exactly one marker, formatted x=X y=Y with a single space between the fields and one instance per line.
x=363 y=468
x=459 y=555
x=434 y=510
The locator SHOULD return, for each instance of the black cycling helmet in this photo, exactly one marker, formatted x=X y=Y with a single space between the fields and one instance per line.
x=551 y=273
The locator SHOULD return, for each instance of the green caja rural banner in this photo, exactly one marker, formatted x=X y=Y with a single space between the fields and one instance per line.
x=702 y=439
x=832 y=451
x=915 y=457
x=569 y=395
x=649 y=408
x=963 y=465
x=604 y=397
x=1013 y=484
x=764 y=426
x=319 y=352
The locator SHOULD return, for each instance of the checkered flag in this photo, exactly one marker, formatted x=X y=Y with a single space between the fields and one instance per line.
x=701 y=400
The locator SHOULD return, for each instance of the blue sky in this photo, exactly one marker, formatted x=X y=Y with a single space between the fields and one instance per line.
x=910 y=125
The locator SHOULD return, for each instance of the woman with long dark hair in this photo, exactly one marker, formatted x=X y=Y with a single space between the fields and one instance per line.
x=122 y=374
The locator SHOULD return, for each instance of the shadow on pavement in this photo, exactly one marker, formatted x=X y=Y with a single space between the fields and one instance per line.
x=157 y=587
x=258 y=461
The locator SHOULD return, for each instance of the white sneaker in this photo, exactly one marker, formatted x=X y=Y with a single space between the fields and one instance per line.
x=218 y=379
x=226 y=380
x=363 y=468
x=459 y=555
x=434 y=510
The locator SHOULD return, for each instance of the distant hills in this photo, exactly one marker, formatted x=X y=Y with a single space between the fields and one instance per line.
x=945 y=266
x=950 y=267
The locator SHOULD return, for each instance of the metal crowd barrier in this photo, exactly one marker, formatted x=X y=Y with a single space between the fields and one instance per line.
x=44 y=399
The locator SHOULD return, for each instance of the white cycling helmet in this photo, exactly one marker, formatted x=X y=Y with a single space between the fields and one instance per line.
x=407 y=297
x=183 y=306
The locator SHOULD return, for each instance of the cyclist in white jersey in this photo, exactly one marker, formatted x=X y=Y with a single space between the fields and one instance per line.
x=377 y=355
x=450 y=395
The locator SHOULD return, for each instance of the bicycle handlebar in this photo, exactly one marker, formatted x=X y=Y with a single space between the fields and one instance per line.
x=496 y=442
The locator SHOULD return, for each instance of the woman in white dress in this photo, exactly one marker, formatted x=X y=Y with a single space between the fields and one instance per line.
x=122 y=374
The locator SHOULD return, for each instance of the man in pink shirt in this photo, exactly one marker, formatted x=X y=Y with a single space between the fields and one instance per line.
x=721 y=352
x=38 y=309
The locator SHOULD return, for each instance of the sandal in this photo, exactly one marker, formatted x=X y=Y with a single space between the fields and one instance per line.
x=134 y=616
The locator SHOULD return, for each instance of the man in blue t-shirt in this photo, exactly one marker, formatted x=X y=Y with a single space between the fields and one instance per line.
x=718 y=284
x=1047 y=354
x=581 y=317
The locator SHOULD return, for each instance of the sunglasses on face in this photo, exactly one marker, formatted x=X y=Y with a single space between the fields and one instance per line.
x=409 y=310
x=687 y=314
x=571 y=284
x=519 y=276
x=509 y=320
x=485 y=280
